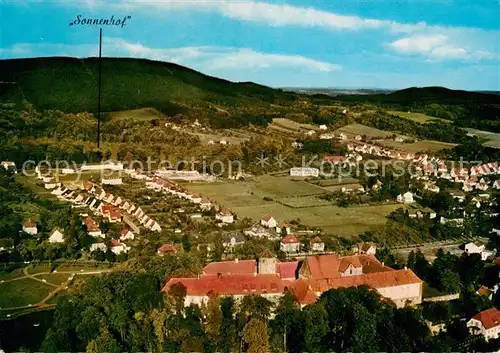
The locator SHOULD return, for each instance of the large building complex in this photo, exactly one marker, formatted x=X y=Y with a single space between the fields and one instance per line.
x=270 y=278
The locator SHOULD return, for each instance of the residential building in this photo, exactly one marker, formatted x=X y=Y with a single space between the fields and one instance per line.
x=30 y=227
x=304 y=172
x=56 y=236
x=284 y=227
x=367 y=248
x=92 y=228
x=225 y=217
x=290 y=243
x=268 y=221
x=126 y=234
x=230 y=241
x=166 y=249
x=316 y=244
x=118 y=247
x=406 y=198
x=486 y=323
x=98 y=246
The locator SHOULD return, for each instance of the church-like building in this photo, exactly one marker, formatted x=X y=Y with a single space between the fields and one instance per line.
x=270 y=278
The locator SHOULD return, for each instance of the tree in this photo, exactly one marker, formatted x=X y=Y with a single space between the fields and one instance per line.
x=213 y=317
x=255 y=336
x=177 y=293
x=227 y=332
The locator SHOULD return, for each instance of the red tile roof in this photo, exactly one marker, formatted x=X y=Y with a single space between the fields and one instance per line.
x=115 y=242
x=316 y=240
x=114 y=214
x=29 y=224
x=289 y=239
x=106 y=209
x=266 y=217
x=330 y=266
x=267 y=254
x=483 y=291
x=303 y=292
x=287 y=270
x=167 y=248
x=333 y=158
x=91 y=225
x=124 y=232
x=235 y=267
x=230 y=284
x=489 y=318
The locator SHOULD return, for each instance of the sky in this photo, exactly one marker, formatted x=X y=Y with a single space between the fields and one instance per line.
x=389 y=44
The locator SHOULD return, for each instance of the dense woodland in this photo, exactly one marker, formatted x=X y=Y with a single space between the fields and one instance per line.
x=124 y=311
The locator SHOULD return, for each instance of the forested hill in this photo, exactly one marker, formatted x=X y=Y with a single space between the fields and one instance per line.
x=466 y=109
x=426 y=95
x=70 y=85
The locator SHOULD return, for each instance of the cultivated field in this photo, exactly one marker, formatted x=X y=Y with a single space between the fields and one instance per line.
x=418 y=117
x=492 y=144
x=144 y=114
x=352 y=130
x=290 y=125
x=419 y=146
x=293 y=200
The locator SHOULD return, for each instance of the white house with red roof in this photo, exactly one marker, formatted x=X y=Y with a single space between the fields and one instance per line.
x=118 y=247
x=284 y=227
x=166 y=249
x=225 y=217
x=92 y=228
x=290 y=243
x=30 y=227
x=268 y=221
x=486 y=323
x=205 y=204
x=56 y=236
x=316 y=244
x=126 y=234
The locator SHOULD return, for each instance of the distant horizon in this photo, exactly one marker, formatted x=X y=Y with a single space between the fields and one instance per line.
x=291 y=87
x=277 y=43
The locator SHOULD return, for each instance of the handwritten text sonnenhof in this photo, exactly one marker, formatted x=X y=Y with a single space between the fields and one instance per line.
x=112 y=21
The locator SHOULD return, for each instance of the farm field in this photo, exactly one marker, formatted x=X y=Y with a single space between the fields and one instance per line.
x=352 y=130
x=331 y=219
x=418 y=117
x=484 y=134
x=313 y=212
x=419 y=146
x=144 y=114
x=353 y=186
x=23 y=292
x=336 y=182
x=288 y=124
x=492 y=143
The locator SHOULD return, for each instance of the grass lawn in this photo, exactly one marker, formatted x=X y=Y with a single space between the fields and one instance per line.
x=38 y=269
x=418 y=117
x=276 y=187
x=419 y=146
x=55 y=278
x=23 y=292
x=352 y=130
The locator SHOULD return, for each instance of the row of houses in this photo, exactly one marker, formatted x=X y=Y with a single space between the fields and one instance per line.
x=158 y=184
